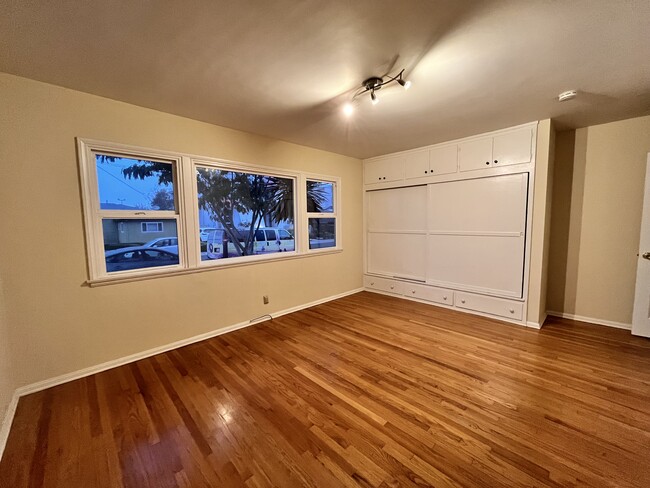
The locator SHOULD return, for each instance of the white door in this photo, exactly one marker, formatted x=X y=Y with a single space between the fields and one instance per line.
x=641 y=317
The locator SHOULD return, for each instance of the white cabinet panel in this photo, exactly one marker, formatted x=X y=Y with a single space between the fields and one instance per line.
x=383 y=170
x=513 y=147
x=487 y=264
x=494 y=204
x=443 y=160
x=383 y=284
x=417 y=164
x=476 y=154
x=397 y=255
x=399 y=209
x=429 y=293
x=489 y=305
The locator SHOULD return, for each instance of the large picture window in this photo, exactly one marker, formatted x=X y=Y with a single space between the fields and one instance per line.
x=151 y=212
x=249 y=213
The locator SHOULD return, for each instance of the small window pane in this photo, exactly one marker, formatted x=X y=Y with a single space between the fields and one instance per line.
x=322 y=233
x=320 y=197
x=245 y=209
x=127 y=247
x=134 y=184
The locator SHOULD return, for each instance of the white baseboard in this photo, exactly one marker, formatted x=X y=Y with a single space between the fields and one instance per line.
x=537 y=325
x=7 y=421
x=75 y=375
x=591 y=320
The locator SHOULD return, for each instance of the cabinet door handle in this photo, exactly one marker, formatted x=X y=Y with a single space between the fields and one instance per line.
x=425 y=172
x=488 y=163
x=496 y=161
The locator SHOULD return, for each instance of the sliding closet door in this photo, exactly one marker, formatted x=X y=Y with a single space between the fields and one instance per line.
x=396 y=237
x=476 y=234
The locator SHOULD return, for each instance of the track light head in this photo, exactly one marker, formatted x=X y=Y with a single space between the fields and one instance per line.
x=373 y=98
x=405 y=83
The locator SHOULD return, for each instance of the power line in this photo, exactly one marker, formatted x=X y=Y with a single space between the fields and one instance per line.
x=121 y=181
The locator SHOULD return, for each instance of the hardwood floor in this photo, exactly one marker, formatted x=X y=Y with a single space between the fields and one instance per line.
x=365 y=391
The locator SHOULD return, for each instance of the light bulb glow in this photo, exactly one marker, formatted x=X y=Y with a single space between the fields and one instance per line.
x=407 y=85
x=348 y=109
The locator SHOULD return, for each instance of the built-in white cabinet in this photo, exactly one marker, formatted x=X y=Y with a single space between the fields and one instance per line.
x=396 y=237
x=416 y=165
x=384 y=170
x=476 y=154
x=494 y=306
x=428 y=293
x=436 y=161
x=449 y=226
x=383 y=284
x=513 y=147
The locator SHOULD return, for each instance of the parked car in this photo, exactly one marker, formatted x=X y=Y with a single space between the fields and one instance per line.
x=166 y=243
x=204 y=233
x=128 y=258
x=267 y=239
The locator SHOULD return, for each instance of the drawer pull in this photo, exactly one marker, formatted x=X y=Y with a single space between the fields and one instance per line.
x=462 y=301
x=372 y=283
x=392 y=286
x=444 y=298
x=512 y=310
x=413 y=291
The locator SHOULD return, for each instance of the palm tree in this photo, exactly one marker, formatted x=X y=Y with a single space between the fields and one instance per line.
x=221 y=192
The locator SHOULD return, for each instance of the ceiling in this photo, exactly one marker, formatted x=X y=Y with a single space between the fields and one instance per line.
x=284 y=68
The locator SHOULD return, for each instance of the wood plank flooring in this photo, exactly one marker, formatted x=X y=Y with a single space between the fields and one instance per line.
x=367 y=391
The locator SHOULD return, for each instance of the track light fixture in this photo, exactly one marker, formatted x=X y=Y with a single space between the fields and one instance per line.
x=371 y=85
x=376 y=82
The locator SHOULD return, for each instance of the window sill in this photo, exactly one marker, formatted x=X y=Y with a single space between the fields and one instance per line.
x=112 y=280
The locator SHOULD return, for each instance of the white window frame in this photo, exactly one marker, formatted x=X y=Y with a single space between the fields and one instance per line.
x=335 y=214
x=93 y=214
x=260 y=170
x=186 y=212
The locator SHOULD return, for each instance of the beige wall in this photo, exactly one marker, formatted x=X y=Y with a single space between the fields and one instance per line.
x=56 y=324
x=539 y=252
x=7 y=374
x=596 y=218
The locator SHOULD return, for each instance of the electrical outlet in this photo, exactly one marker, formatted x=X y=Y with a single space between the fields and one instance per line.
x=266 y=299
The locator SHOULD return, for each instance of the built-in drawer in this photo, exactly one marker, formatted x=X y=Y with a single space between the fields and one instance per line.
x=383 y=284
x=493 y=306
x=429 y=293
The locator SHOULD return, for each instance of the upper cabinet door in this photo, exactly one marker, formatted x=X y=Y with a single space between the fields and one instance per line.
x=417 y=164
x=513 y=147
x=476 y=154
x=384 y=170
x=443 y=160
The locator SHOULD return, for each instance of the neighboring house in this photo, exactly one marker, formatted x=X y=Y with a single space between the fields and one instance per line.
x=120 y=232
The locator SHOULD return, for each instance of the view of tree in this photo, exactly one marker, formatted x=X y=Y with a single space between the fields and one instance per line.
x=163 y=199
x=268 y=199
x=222 y=193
